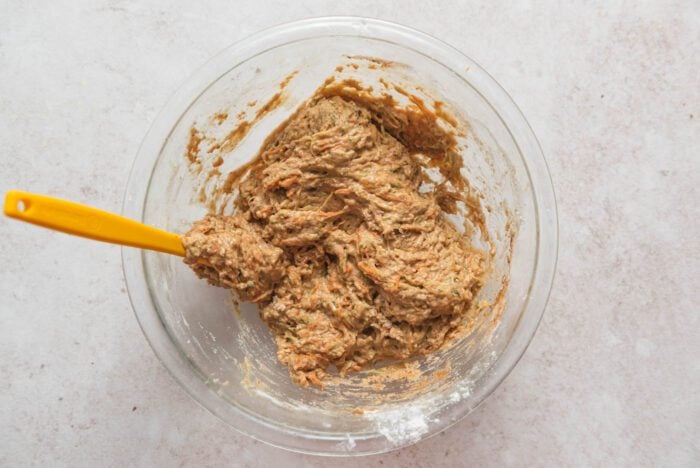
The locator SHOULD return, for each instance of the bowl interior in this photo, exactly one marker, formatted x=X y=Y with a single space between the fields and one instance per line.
x=233 y=354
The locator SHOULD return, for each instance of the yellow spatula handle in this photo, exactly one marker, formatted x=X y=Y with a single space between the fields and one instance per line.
x=81 y=220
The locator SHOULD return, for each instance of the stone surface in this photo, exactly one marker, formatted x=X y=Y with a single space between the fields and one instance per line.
x=612 y=90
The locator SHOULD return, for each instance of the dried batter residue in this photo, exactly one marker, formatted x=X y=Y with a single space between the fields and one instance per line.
x=219 y=117
x=193 y=145
x=222 y=146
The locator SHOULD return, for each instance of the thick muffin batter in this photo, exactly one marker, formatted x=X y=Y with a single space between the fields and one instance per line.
x=349 y=259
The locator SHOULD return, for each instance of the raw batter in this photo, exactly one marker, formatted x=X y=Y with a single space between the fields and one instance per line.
x=349 y=261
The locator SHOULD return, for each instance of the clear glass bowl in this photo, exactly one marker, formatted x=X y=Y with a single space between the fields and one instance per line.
x=226 y=361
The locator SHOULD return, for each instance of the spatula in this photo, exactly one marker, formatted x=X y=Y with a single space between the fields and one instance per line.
x=85 y=221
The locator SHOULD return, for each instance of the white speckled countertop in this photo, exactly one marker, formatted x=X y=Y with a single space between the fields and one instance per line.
x=611 y=89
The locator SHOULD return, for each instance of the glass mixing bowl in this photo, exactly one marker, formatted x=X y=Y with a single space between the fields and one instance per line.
x=226 y=360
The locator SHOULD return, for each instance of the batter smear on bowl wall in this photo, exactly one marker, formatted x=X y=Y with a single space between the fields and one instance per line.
x=342 y=237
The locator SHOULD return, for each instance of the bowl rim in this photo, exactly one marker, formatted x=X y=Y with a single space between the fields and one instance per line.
x=502 y=104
